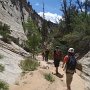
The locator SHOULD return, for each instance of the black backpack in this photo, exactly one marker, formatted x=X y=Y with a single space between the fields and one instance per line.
x=71 y=64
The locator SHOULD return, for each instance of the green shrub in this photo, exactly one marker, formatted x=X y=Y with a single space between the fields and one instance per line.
x=84 y=45
x=29 y=65
x=73 y=38
x=1 y=56
x=5 y=32
x=1 y=68
x=4 y=85
x=49 y=77
x=34 y=37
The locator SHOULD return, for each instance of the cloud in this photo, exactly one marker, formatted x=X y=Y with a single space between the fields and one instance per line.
x=37 y=4
x=82 y=0
x=53 y=17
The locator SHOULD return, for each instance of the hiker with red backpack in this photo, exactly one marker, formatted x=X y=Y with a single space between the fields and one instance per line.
x=57 y=56
x=69 y=64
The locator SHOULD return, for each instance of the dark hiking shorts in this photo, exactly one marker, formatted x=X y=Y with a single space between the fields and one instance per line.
x=56 y=62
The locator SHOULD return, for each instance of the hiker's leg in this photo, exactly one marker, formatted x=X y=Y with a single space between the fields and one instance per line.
x=69 y=78
x=45 y=58
x=56 y=66
x=56 y=70
x=68 y=88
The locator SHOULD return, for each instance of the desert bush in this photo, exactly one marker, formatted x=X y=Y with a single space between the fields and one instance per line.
x=29 y=65
x=4 y=32
x=1 y=68
x=34 y=37
x=49 y=77
x=3 y=85
x=1 y=56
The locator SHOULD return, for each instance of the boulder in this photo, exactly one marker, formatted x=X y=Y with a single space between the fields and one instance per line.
x=85 y=61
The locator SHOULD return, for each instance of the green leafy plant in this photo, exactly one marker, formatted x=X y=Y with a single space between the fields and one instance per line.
x=49 y=77
x=1 y=68
x=33 y=35
x=3 y=85
x=29 y=65
x=1 y=56
x=4 y=31
x=77 y=37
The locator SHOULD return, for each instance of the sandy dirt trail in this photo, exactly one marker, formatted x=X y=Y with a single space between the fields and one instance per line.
x=35 y=80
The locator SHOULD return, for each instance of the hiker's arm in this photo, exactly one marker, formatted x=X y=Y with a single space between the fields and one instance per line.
x=75 y=70
x=64 y=67
x=61 y=56
x=53 y=56
x=64 y=62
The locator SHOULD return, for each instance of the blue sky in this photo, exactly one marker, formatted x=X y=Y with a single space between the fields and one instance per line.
x=52 y=8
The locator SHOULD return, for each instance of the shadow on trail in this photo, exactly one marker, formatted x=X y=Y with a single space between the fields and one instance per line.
x=59 y=75
x=50 y=63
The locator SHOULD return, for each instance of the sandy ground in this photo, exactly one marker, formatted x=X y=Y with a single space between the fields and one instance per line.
x=35 y=80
